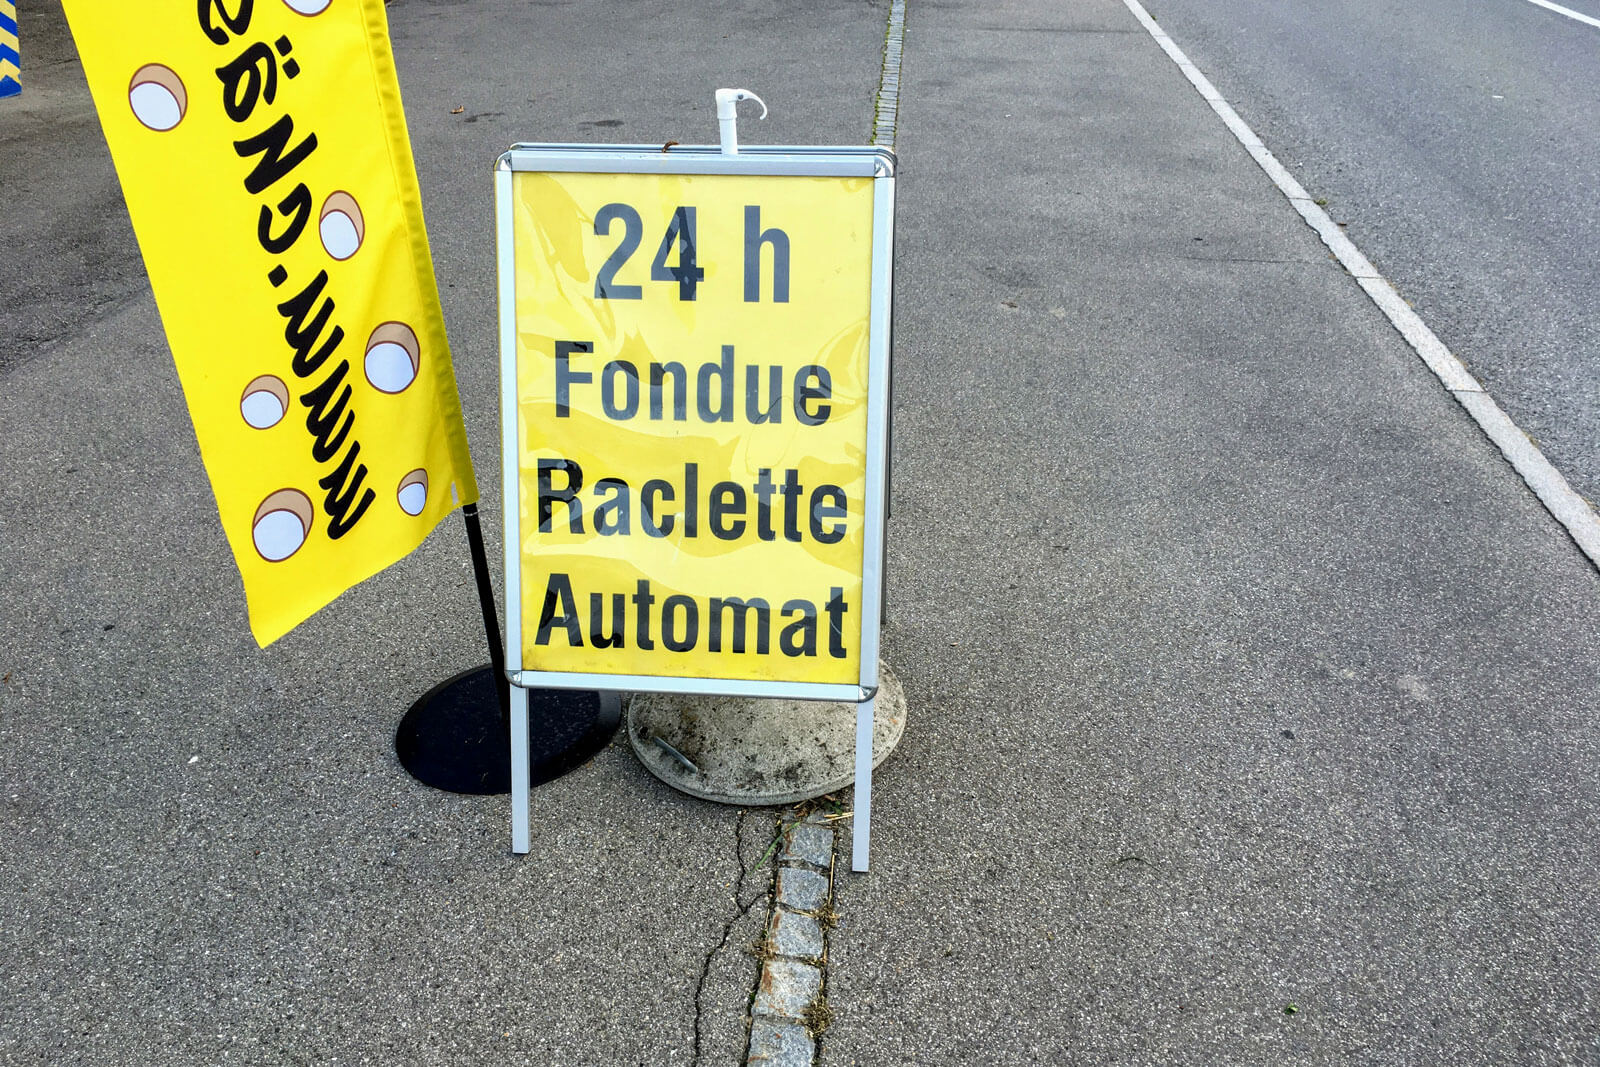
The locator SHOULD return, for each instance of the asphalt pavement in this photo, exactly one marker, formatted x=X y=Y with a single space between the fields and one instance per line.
x=1251 y=693
x=1457 y=144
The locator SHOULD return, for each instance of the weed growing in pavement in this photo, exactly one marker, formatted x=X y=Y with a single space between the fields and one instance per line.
x=818 y=1017
x=762 y=950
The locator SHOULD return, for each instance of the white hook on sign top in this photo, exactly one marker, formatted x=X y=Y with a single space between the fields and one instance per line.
x=728 y=116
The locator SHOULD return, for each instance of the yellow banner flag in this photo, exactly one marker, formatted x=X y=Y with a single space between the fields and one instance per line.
x=264 y=158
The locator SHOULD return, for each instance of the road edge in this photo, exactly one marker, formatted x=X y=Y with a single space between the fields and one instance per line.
x=1564 y=503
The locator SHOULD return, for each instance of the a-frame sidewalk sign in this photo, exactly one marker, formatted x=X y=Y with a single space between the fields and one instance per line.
x=695 y=415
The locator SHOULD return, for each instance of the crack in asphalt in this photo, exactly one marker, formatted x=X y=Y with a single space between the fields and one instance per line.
x=742 y=909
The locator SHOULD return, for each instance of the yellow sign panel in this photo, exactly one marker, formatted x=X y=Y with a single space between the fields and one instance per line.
x=692 y=416
x=263 y=155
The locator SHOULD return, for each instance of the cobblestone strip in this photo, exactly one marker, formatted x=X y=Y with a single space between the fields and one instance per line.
x=790 y=1010
x=888 y=107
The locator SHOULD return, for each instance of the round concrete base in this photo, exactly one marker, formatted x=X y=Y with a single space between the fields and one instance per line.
x=740 y=750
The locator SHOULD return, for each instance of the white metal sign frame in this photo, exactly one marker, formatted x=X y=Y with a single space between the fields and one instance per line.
x=841 y=162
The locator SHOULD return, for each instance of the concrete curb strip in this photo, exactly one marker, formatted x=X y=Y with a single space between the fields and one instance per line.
x=888 y=104
x=790 y=1009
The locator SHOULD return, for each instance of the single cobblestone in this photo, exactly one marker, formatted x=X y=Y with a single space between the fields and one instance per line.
x=794 y=934
x=780 y=1044
x=801 y=890
x=787 y=989
x=809 y=843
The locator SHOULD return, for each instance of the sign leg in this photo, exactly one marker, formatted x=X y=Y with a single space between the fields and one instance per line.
x=861 y=831
x=521 y=784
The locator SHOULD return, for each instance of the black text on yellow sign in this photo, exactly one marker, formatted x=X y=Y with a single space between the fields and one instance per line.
x=692 y=370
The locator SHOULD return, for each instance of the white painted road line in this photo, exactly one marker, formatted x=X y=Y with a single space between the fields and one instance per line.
x=1567 y=11
x=1547 y=483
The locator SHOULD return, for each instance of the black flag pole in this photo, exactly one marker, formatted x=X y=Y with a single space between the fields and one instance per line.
x=457 y=736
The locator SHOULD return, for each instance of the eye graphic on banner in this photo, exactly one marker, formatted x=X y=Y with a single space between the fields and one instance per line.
x=289 y=261
x=413 y=492
x=265 y=402
x=282 y=524
x=392 y=358
x=158 y=97
x=341 y=226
